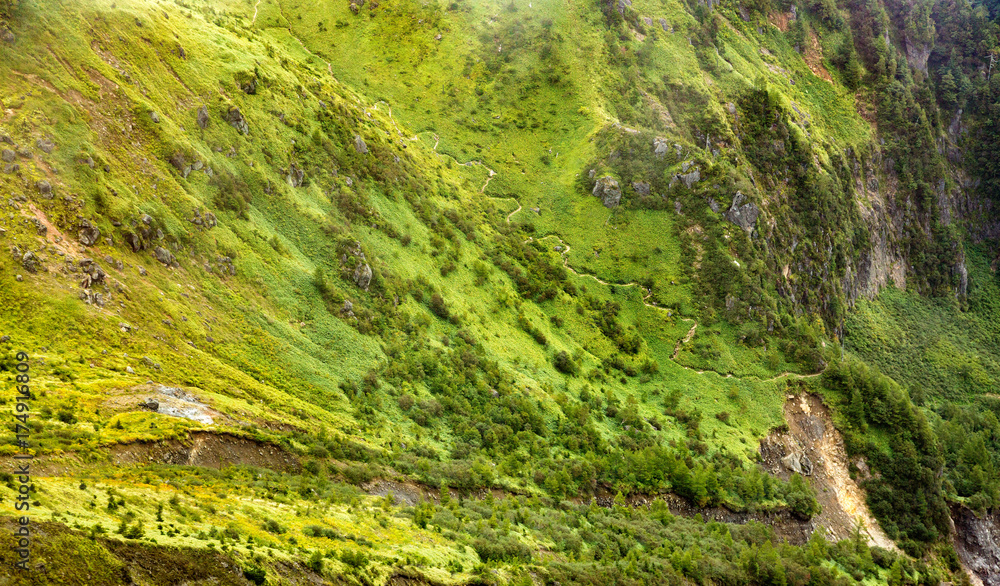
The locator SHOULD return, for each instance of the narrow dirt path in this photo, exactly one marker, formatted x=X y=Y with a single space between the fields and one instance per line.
x=252 y=22
x=684 y=340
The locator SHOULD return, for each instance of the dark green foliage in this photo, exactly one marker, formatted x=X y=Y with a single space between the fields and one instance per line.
x=232 y=194
x=564 y=363
x=255 y=574
x=493 y=549
x=906 y=496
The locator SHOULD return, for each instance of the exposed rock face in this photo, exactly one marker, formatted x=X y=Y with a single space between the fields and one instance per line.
x=44 y=188
x=363 y=276
x=690 y=178
x=202 y=118
x=295 y=175
x=641 y=187
x=977 y=542
x=608 y=191
x=359 y=144
x=741 y=214
x=660 y=146
x=250 y=87
x=235 y=119
x=89 y=233
x=30 y=262
x=812 y=446
x=7 y=155
x=46 y=145
x=917 y=55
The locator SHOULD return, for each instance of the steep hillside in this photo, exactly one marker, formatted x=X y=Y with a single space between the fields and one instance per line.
x=473 y=292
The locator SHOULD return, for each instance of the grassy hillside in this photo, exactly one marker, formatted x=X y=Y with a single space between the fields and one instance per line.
x=357 y=244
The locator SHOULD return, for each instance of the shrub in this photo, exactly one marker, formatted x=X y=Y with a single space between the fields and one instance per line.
x=255 y=574
x=564 y=363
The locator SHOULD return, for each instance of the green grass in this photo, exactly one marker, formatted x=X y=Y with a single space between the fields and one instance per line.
x=947 y=351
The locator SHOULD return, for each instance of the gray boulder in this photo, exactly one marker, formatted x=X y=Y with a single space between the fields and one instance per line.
x=7 y=155
x=154 y=117
x=44 y=187
x=741 y=214
x=89 y=233
x=235 y=119
x=163 y=255
x=641 y=187
x=46 y=145
x=363 y=276
x=30 y=262
x=203 y=117
x=606 y=188
x=359 y=144
x=92 y=273
x=135 y=241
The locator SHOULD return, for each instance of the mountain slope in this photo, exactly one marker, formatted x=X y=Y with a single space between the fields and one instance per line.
x=362 y=241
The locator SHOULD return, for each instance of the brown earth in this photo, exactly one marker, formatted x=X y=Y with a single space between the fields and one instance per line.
x=208 y=449
x=813 y=55
x=200 y=448
x=814 y=447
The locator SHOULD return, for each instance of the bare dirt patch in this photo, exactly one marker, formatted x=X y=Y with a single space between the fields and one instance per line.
x=814 y=57
x=207 y=449
x=780 y=20
x=814 y=447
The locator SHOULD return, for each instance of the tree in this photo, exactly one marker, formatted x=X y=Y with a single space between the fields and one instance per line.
x=947 y=90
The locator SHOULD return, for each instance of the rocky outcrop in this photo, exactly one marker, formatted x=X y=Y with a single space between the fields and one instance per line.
x=606 y=188
x=92 y=273
x=89 y=233
x=977 y=542
x=641 y=187
x=917 y=55
x=235 y=119
x=363 y=276
x=207 y=221
x=742 y=214
x=202 y=117
x=359 y=145
x=295 y=175
x=660 y=146
x=30 y=262
x=163 y=255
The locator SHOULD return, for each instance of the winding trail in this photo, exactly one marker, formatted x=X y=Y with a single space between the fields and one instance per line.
x=252 y=22
x=565 y=247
